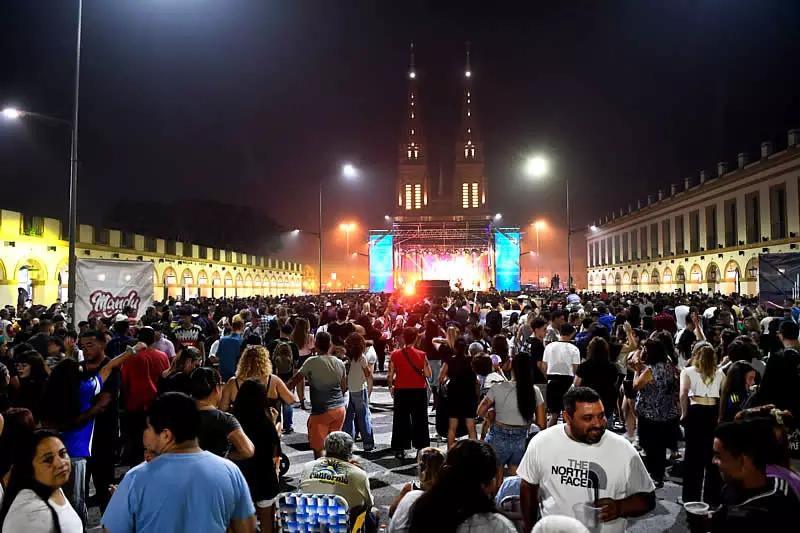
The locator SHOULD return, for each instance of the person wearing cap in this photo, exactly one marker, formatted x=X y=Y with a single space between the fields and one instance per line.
x=336 y=473
x=189 y=334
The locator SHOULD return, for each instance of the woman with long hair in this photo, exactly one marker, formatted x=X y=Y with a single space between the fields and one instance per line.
x=18 y=426
x=301 y=336
x=500 y=352
x=176 y=377
x=34 y=501
x=433 y=332
x=256 y=363
x=430 y=463
x=220 y=432
x=32 y=377
x=656 y=406
x=357 y=415
x=700 y=391
x=461 y=496
x=518 y=404
x=736 y=388
x=599 y=373
x=252 y=412
x=462 y=392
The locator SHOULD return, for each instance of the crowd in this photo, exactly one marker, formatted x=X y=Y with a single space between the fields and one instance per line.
x=193 y=397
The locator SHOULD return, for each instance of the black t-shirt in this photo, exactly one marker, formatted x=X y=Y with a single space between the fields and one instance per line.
x=494 y=322
x=106 y=426
x=536 y=349
x=215 y=426
x=177 y=382
x=600 y=376
x=339 y=332
x=772 y=507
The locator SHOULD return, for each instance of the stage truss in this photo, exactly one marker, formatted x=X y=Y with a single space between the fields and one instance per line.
x=440 y=235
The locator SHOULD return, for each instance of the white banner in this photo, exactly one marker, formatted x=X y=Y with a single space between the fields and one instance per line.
x=103 y=288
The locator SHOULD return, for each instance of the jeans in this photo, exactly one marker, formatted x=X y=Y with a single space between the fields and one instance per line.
x=288 y=416
x=358 y=413
x=508 y=444
x=75 y=488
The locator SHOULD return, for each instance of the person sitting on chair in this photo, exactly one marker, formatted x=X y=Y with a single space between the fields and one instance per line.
x=338 y=473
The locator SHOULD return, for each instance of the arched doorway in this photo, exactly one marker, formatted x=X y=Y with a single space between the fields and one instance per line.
x=170 y=283
x=216 y=284
x=62 y=277
x=31 y=276
x=680 y=278
x=188 y=288
x=667 y=280
x=733 y=277
x=228 y=288
x=258 y=291
x=696 y=276
x=713 y=277
x=603 y=283
x=618 y=282
x=635 y=281
x=202 y=284
x=248 y=285
x=655 y=281
x=239 y=286
x=751 y=276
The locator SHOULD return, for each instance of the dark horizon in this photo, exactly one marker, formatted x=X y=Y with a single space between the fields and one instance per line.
x=250 y=103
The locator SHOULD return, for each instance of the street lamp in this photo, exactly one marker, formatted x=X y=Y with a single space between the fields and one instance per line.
x=347 y=229
x=73 y=163
x=348 y=171
x=13 y=113
x=536 y=167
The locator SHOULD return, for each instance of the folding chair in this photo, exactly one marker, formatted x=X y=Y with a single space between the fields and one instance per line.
x=511 y=507
x=316 y=513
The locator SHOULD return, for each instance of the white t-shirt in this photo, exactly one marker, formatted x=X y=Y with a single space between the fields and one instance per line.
x=565 y=470
x=401 y=520
x=486 y=523
x=681 y=313
x=356 y=377
x=560 y=356
x=30 y=514
x=693 y=381
x=504 y=397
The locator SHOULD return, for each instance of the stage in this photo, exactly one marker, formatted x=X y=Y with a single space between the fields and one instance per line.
x=472 y=252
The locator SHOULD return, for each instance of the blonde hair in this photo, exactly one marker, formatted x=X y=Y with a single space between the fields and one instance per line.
x=452 y=335
x=704 y=359
x=237 y=322
x=430 y=462
x=254 y=363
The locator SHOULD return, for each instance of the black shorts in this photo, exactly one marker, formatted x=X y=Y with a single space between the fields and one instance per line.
x=557 y=387
x=627 y=386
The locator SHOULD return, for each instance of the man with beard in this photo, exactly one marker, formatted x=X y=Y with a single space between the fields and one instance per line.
x=583 y=470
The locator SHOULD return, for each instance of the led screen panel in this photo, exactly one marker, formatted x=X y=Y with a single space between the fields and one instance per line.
x=380 y=263
x=507 y=271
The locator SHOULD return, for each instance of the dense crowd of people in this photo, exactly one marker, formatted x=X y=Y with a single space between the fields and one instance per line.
x=560 y=410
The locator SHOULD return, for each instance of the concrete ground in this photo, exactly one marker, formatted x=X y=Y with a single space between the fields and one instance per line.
x=388 y=475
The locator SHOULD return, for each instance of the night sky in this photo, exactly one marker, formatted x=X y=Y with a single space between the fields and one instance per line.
x=253 y=101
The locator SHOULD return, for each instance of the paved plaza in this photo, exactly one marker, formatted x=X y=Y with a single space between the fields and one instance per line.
x=388 y=475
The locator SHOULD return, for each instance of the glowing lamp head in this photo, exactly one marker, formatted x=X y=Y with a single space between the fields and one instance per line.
x=468 y=74
x=11 y=113
x=537 y=166
x=295 y=231
x=539 y=224
x=593 y=228
x=412 y=75
x=498 y=216
x=349 y=171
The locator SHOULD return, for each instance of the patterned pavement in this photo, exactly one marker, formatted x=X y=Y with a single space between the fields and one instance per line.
x=388 y=475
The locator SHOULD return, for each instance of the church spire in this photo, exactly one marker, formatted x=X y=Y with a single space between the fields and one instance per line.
x=413 y=149
x=469 y=134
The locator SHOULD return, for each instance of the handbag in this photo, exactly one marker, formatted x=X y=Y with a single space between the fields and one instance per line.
x=419 y=372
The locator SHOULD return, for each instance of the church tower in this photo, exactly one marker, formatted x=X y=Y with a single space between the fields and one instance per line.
x=412 y=175
x=470 y=181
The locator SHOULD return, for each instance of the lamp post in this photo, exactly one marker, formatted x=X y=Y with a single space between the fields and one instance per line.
x=347 y=229
x=12 y=113
x=73 y=162
x=537 y=226
x=348 y=171
x=537 y=167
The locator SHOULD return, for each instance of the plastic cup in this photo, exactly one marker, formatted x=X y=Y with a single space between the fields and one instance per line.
x=588 y=514
x=696 y=508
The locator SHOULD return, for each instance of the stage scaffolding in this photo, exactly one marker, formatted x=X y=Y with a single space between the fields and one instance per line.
x=442 y=234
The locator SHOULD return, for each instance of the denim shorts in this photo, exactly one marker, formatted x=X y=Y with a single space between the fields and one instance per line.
x=508 y=444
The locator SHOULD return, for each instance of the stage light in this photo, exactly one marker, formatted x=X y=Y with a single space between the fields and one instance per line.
x=387 y=218
x=409 y=290
x=11 y=113
x=498 y=216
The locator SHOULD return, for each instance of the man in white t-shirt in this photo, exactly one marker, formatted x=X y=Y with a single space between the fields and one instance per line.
x=681 y=314
x=559 y=364
x=581 y=470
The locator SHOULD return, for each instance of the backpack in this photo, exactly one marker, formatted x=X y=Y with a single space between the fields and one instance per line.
x=282 y=359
